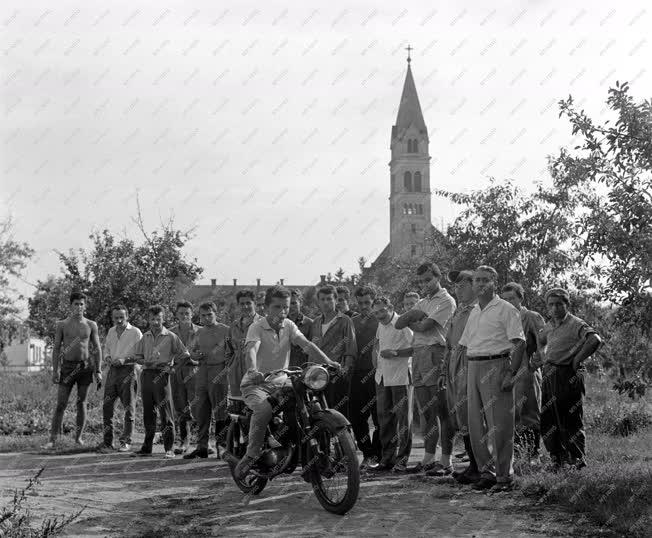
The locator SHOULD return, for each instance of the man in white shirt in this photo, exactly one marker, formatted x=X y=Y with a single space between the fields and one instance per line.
x=268 y=346
x=120 y=345
x=494 y=342
x=393 y=388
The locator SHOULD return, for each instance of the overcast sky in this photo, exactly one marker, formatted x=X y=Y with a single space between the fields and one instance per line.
x=266 y=125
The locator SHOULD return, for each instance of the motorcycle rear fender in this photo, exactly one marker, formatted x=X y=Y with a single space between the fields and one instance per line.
x=333 y=418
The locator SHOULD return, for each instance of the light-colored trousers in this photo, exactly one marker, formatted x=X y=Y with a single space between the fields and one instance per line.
x=527 y=399
x=491 y=418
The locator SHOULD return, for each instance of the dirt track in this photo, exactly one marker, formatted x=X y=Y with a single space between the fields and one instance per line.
x=127 y=496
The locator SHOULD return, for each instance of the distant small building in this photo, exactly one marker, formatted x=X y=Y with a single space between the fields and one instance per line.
x=24 y=353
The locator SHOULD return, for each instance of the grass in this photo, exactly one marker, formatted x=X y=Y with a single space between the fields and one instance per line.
x=615 y=489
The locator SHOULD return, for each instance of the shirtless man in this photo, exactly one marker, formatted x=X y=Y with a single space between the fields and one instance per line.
x=72 y=364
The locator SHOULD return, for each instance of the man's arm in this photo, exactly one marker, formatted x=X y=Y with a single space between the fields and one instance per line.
x=56 y=350
x=411 y=316
x=538 y=324
x=515 y=359
x=351 y=348
x=590 y=346
x=105 y=348
x=95 y=338
x=251 y=350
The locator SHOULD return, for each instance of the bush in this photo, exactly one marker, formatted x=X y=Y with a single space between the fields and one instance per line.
x=16 y=518
x=622 y=420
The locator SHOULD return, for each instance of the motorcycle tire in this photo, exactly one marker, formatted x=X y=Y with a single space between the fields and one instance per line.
x=350 y=457
x=251 y=485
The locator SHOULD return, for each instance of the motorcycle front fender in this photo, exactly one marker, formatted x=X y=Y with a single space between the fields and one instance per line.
x=333 y=418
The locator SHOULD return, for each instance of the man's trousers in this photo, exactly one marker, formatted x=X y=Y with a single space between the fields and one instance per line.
x=157 y=399
x=362 y=405
x=562 y=413
x=120 y=384
x=394 y=415
x=212 y=397
x=491 y=416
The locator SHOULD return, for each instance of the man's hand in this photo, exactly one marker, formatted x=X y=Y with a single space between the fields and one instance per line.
x=441 y=382
x=56 y=377
x=252 y=377
x=508 y=382
x=196 y=355
x=388 y=353
x=334 y=364
x=97 y=376
x=576 y=363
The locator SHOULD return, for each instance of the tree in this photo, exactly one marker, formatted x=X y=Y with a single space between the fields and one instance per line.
x=14 y=256
x=522 y=236
x=117 y=270
x=610 y=174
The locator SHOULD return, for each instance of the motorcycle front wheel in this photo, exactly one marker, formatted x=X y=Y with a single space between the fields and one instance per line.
x=336 y=474
x=251 y=484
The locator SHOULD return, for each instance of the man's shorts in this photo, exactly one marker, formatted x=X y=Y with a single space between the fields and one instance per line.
x=75 y=372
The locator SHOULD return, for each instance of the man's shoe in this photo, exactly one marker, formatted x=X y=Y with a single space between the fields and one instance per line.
x=210 y=451
x=183 y=449
x=197 y=453
x=382 y=467
x=502 y=486
x=48 y=446
x=440 y=470
x=470 y=477
x=79 y=441
x=124 y=447
x=142 y=452
x=244 y=466
x=484 y=484
x=105 y=449
x=169 y=454
x=400 y=467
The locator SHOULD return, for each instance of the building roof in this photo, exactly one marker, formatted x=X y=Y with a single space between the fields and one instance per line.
x=409 y=110
x=197 y=293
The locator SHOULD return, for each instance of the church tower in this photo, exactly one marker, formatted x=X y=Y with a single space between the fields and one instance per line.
x=410 y=224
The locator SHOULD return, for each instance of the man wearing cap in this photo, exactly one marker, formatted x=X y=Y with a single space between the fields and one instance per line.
x=494 y=342
x=569 y=341
x=429 y=321
x=527 y=385
x=455 y=374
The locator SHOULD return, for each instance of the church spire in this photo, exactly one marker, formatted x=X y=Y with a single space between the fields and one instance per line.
x=409 y=111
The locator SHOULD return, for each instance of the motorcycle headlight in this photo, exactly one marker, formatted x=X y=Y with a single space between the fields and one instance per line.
x=316 y=377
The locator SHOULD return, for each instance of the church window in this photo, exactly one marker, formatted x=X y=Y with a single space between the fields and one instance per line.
x=414 y=228
x=415 y=146
x=405 y=209
x=413 y=250
x=420 y=209
x=417 y=181
x=409 y=146
x=407 y=181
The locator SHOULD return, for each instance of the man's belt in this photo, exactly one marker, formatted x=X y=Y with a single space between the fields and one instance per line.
x=488 y=357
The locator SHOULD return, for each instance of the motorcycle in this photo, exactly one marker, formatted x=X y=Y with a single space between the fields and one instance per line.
x=303 y=431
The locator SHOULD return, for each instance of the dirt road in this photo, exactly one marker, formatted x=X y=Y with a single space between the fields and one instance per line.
x=126 y=496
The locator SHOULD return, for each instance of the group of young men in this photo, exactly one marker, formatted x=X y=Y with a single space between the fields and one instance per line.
x=477 y=363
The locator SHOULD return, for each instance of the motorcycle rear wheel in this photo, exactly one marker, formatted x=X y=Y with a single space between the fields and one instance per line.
x=251 y=485
x=339 y=448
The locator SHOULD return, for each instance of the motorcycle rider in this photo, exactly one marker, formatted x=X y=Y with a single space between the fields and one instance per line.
x=268 y=346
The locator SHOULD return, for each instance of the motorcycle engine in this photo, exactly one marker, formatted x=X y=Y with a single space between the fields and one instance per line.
x=272 y=457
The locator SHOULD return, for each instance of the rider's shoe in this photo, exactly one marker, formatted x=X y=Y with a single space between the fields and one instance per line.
x=244 y=466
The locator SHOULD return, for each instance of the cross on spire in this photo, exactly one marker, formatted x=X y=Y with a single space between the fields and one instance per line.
x=409 y=49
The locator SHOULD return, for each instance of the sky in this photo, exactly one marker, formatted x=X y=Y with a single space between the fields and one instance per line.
x=265 y=126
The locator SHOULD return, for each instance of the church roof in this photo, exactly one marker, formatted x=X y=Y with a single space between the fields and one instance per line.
x=409 y=111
